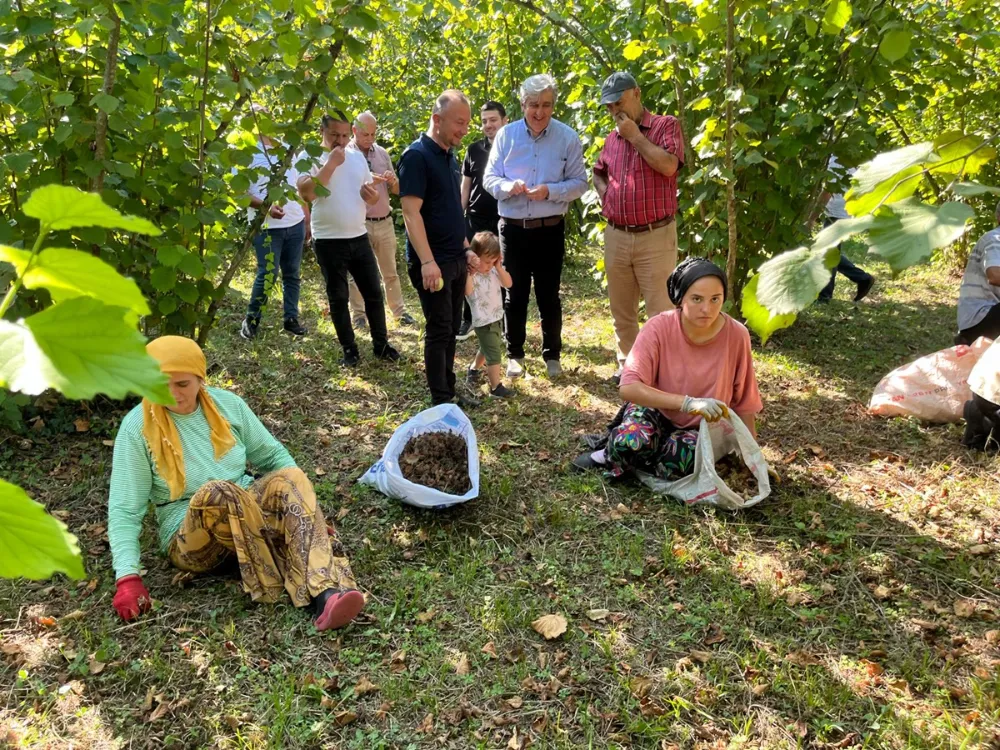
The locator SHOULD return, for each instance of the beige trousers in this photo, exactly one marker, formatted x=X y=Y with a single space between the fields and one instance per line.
x=637 y=264
x=382 y=236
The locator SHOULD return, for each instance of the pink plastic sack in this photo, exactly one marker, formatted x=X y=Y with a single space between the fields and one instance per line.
x=933 y=388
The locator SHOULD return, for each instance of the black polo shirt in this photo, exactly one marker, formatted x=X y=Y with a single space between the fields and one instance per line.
x=429 y=172
x=481 y=202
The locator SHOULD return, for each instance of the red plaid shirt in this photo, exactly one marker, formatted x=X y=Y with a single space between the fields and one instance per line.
x=637 y=193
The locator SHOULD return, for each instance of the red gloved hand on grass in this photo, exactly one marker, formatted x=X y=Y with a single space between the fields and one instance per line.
x=132 y=598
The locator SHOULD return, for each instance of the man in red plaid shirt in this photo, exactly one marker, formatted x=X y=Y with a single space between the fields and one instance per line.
x=636 y=178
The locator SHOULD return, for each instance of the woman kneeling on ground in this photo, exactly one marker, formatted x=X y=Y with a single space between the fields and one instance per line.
x=689 y=363
x=190 y=462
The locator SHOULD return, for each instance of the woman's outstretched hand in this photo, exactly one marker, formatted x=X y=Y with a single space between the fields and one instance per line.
x=131 y=598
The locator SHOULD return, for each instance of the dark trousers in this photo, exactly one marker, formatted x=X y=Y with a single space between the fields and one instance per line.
x=988 y=327
x=337 y=259
x=475 y=223
x=284 y=246
x=443 y=316
x=533 y=254
x=982 y=424
x=848 y=269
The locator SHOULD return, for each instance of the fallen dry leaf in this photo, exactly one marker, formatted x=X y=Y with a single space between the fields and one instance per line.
x=76 y=614
x=550 y=626
x=597 y=615
x=320 y=472
x=159 y=712
x=490 y=650
x=427 y=725
x=327 y=702
x=641 y=686
x=993 y=637
x=802 y=659
x=46 y=622
x=965 y=607
x=364 y=686
x=397 y=662
x=929 y=625
x=383 y=711
x=425 y=617
x=794 y=598
x=760 y=688
x=516 y=702
x=715 y=634
x=882 y=592
x=700 y=656
x=979 y=549
x=342 y=513
x=81 y=424
x=516 y=742
x=817 y=451
x=344 y=718
x=873 y=668
x=95 y=666
x=461 y=664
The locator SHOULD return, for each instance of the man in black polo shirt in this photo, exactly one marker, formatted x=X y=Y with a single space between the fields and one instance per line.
x=436 y=247
x=480 y=207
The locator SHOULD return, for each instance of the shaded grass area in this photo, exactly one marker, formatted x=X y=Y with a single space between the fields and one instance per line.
x=855 y=607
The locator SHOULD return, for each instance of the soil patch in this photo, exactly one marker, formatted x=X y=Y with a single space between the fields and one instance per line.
x=439 y=460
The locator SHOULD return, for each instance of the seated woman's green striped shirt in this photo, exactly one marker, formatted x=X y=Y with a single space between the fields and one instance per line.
x=135 y=483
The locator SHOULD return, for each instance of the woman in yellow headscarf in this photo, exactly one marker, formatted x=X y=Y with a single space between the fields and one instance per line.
x=190 y=462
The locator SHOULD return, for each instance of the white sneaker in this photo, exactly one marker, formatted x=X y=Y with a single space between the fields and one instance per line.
x=553 y=367
x=514 y=368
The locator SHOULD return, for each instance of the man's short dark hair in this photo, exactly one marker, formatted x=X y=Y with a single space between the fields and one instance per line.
x=335 y=115
x=492 y=106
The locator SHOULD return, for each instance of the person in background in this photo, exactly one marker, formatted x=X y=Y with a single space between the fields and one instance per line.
x=436 y=246
x=688 y=364
x=378 y=222
x=979 y=295
x=835 y=207
x=982 y=411
x=636 y=179
x=341 y=239
x=482 y=292
x=189 y=461
x=535 y=171
x=282 y=235
x=479 y=206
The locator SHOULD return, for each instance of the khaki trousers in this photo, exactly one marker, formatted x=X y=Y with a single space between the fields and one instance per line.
x=382 y=236
x=637 y=264
x=277 y=532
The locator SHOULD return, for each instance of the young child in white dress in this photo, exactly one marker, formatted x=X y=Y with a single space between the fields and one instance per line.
x=482 y=290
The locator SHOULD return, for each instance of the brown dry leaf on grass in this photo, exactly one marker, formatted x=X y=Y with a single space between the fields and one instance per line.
x=490 y=650
x=427 y=725
x=714 y=635
x=802 y=659
x=344 y=718
x=550 y=626
x=516 y=702
x=461 y=664
x=965 y=608
x=426 y=617
x=94 y=665
x=364 y=686
x=597 y=615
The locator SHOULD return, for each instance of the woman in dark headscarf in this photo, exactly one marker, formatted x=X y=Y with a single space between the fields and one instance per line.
x=687 y=364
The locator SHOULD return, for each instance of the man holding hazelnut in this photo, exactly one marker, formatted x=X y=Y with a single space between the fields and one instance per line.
x=636 y=179
x=438 y=258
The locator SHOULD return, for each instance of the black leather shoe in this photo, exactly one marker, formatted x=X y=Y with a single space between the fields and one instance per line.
x=295 y=328
x=351 y=358
x=863 y=288
x=388 y=353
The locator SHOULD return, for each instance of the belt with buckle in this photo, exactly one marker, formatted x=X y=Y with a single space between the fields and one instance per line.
x=639 y=228
x=379 y=218
x=545 y=221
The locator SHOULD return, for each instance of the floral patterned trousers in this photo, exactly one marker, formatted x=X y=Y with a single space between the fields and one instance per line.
x=645 y=440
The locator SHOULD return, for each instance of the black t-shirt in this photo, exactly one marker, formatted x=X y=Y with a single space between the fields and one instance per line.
x=429 y=172
x=474 y=166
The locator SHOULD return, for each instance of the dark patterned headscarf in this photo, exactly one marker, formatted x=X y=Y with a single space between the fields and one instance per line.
x=688 y=272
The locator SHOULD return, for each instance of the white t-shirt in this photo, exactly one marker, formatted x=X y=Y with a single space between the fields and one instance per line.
x=263 y=160
x=984 y=380
x=341 y=214
x=486 y=301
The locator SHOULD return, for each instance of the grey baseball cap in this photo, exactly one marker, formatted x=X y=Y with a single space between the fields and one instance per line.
x=615 y=85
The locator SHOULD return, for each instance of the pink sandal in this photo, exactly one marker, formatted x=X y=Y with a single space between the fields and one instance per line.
x=340 y=609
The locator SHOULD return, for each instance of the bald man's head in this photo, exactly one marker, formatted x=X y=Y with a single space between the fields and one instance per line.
x=365 y=130
x=450 y=118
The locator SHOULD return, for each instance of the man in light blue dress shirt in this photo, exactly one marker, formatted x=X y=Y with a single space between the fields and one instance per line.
x=535 y=171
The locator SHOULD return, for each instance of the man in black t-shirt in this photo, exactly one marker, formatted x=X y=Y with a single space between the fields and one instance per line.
x=480 y=207
x=437 y=254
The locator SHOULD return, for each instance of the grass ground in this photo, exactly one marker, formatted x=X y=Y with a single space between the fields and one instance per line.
x=857 y=606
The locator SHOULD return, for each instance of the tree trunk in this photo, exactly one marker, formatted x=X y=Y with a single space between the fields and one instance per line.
x=734 y=285
x=110 y=71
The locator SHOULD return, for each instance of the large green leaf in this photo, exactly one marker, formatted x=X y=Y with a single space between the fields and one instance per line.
x=70 y=273
x=80 y=347
x=971 y=189
x=883 y=179
x=790 y=282
x=33 y=544
x=838 y=13
x=758 y=317
x=61 y=207
x=895 y=44
x=961 y=154
x=844 y=229
x=922 y=228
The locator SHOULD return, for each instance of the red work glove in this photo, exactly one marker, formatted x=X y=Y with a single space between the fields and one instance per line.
x=131 y=599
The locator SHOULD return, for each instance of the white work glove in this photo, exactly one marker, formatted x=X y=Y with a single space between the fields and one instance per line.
x=710 y=408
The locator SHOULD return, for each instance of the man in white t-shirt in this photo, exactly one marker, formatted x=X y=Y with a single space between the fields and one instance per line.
x=341 y=240
x=282 y=234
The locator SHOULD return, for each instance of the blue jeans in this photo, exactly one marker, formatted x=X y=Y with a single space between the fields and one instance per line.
x=286 y=245
x=848 y=269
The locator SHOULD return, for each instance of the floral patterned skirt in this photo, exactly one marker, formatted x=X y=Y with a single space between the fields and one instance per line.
x=645 y=440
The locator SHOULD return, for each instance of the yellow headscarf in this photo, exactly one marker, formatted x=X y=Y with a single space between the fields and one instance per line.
x=179 y=354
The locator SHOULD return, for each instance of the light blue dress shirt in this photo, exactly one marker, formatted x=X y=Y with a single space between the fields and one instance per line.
x=555 y=158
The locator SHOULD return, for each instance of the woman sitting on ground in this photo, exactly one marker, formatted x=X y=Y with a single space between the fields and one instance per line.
x=689 y=363
x=190 y=462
